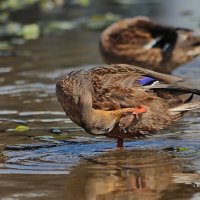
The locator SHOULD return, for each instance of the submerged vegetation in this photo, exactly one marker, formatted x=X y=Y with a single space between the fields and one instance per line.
x=45 y=17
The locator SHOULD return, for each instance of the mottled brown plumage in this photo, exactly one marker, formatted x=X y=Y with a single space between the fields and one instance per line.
x=139 y=41
x=117 y=101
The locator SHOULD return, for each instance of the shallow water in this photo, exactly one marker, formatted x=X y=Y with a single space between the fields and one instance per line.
x=44 y=165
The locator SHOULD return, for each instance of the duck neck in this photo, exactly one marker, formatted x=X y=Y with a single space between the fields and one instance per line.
x=93 y=120
x=85 y=101
x=98 y=121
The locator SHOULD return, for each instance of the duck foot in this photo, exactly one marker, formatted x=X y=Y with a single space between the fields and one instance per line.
x=120 y=143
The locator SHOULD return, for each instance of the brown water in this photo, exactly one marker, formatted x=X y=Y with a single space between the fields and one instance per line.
x=43 y=165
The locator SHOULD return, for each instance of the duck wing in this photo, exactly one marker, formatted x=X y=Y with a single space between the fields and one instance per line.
x=120 y=86
x=124 y=86
x=168 y=38
x=164 y=38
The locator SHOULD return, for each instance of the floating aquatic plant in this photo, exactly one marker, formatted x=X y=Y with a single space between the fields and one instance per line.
x=22 y=128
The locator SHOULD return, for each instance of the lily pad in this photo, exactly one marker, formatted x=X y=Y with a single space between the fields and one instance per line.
x=98 y=22
x=60 y=26
x=16 y=4
x=31 y=31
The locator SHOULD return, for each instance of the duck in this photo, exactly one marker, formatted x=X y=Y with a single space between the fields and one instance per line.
x=140 y=41
x=124 y=101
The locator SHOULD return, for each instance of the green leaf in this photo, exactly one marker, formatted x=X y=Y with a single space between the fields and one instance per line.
x=22 y=128
x=31 y=31
x=61 y=25
x=181 y=149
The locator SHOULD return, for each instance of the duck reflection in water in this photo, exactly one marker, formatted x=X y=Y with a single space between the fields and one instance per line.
x=131 y=175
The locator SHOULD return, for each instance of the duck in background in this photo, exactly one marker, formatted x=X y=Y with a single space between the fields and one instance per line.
x=123 y=101
x=139 y=41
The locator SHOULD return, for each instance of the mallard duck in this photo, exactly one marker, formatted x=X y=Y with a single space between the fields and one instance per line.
x=123 y=101
x=139 y=41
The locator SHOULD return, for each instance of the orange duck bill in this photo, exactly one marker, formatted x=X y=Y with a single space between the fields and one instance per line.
x=134 y=112
x=139 y=110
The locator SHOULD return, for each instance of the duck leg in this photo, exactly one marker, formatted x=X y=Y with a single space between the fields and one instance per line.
x=120 y=143
x=127 y=120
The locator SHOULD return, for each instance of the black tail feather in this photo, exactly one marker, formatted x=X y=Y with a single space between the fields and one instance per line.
x=189 y=99
x=183 y=90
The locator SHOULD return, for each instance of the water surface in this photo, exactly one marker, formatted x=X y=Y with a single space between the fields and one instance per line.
x=44 y=165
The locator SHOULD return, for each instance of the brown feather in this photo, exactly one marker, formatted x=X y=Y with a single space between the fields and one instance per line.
x=131 y=41
x=102 y=100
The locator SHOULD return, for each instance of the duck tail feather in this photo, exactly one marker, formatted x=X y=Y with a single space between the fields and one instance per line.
x=185 y=107
x=189 y=99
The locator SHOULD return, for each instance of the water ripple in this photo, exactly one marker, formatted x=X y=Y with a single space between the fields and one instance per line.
x=8 y=112
x=40 y=113
x=64 y=155
x=5 y=69
x=33 y=87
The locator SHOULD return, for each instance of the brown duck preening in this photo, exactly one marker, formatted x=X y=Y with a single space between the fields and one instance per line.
x=139 y=41
x=123 y=101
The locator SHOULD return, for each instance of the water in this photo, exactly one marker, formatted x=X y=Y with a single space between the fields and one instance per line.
x=44 y=165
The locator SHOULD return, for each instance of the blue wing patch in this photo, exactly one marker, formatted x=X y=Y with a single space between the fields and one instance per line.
x=145 y=80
